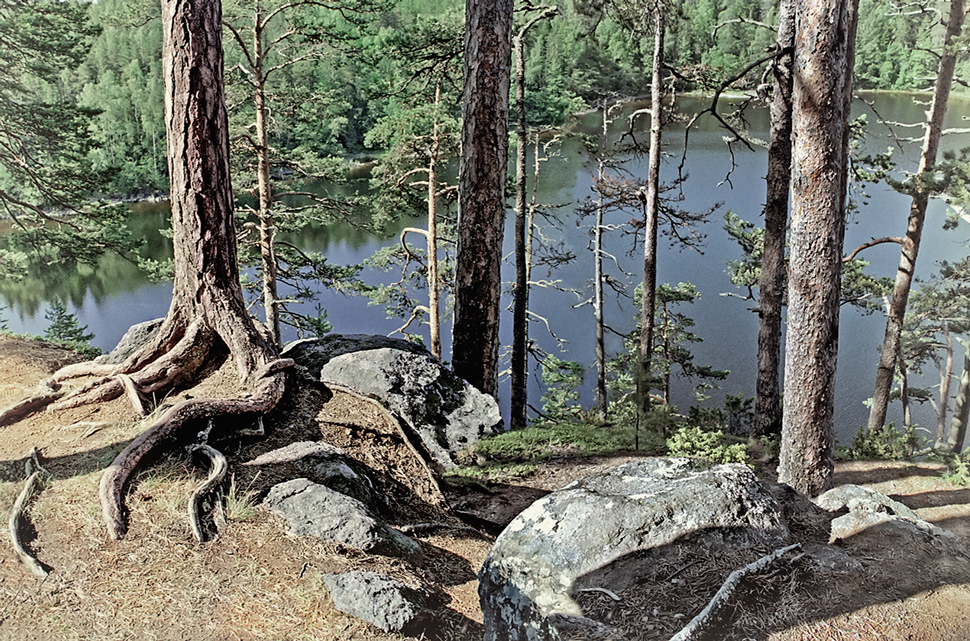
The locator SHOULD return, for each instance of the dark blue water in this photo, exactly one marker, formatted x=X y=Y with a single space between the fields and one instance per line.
x=115 y=296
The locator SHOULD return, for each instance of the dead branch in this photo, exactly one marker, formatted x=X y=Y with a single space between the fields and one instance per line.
x=691 y=630
x=872 y=243
x=269 y=381
x=413 y=443
x=34 y=472
x=217 y=472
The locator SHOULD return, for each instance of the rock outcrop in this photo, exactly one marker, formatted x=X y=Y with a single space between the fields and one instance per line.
x=595 y=532
x=136 y=336
x=312 y=509
x=446 y=414
x=870 y=512
x=378 y=599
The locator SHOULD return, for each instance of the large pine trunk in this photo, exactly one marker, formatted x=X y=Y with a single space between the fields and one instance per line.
x=822 y=83
x=481 y=216
x=206 y=281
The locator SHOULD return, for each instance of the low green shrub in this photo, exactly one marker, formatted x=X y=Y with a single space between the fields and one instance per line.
x=695 y=441
x=887 y=443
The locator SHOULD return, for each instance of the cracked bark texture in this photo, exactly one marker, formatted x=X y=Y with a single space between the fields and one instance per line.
x=481 y=217
x=824 y=30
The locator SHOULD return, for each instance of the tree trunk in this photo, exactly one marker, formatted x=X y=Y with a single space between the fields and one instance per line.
x=946 y=375
x=602 y=399
x=267 y=226
x=768 y=394
x=961 y=410
x=651 y=210
x=434 y=293
x=481 y=217
x=520 y=319
x=917 y=215
x=822 y=80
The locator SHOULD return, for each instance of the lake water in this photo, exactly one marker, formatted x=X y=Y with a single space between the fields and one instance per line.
x=108 y=300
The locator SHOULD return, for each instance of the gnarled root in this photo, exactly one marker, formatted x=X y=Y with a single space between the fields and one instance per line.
x=269 y=389
x=179 y=364
x=34 y=472
x=217 y=472
x=44 y=396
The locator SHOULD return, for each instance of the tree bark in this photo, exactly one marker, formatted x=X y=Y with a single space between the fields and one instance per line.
x=917 y=215
x=651 y=211
x=961 y=410
x=481 y=217
x=267 y=226
x=772 y=285
x=520 y=304
x=822 y=86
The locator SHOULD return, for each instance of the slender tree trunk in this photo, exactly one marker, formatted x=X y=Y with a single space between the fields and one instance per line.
x=772 y=286
x=267 y=226
x=481 y=217
x=520 y=302
x=822 y=90
x=946 y=375
x=434 y=293
x=651 y=211
x=520 y=319
x=917 y=215
x=961 y=410
x=904 y=391
x=602 y=399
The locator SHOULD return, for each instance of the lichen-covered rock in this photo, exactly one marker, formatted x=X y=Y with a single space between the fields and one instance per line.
x=328 y=465
x=873 y=513
x=379 y=600
x=447 y=414
x=311 y=509
x=136 y=336
x=597 y=531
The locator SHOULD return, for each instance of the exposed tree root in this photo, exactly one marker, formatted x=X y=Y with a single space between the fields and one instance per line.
x=269 y=384
x=131 y=390
x=45 y=395
x=144 y=372
x=691 y=630
x=217 y=472
x=34 y=472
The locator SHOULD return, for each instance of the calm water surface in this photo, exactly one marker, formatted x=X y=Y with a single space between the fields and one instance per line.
x=108 y=300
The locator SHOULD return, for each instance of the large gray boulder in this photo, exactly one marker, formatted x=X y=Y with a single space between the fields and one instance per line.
x=446 y=413
x=378 y=599
x=871 y=513
x=136 y=336
x=311 y=509
x=597 y=531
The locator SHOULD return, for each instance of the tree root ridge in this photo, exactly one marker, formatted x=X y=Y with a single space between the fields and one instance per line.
x=181 y=363
x=211 y=488
x=116 y=475
x=46 y=394
x=34 y=472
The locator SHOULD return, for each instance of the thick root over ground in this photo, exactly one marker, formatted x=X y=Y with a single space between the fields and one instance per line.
x=269 y=390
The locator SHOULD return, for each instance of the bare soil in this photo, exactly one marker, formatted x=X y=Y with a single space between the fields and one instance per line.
x=256 y=582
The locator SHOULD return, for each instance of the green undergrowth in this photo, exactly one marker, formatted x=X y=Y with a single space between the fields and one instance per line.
x=563 y=439
x=712 y=445
x=887 y=443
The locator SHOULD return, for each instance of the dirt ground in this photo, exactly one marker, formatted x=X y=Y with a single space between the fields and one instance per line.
x=256 y=582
